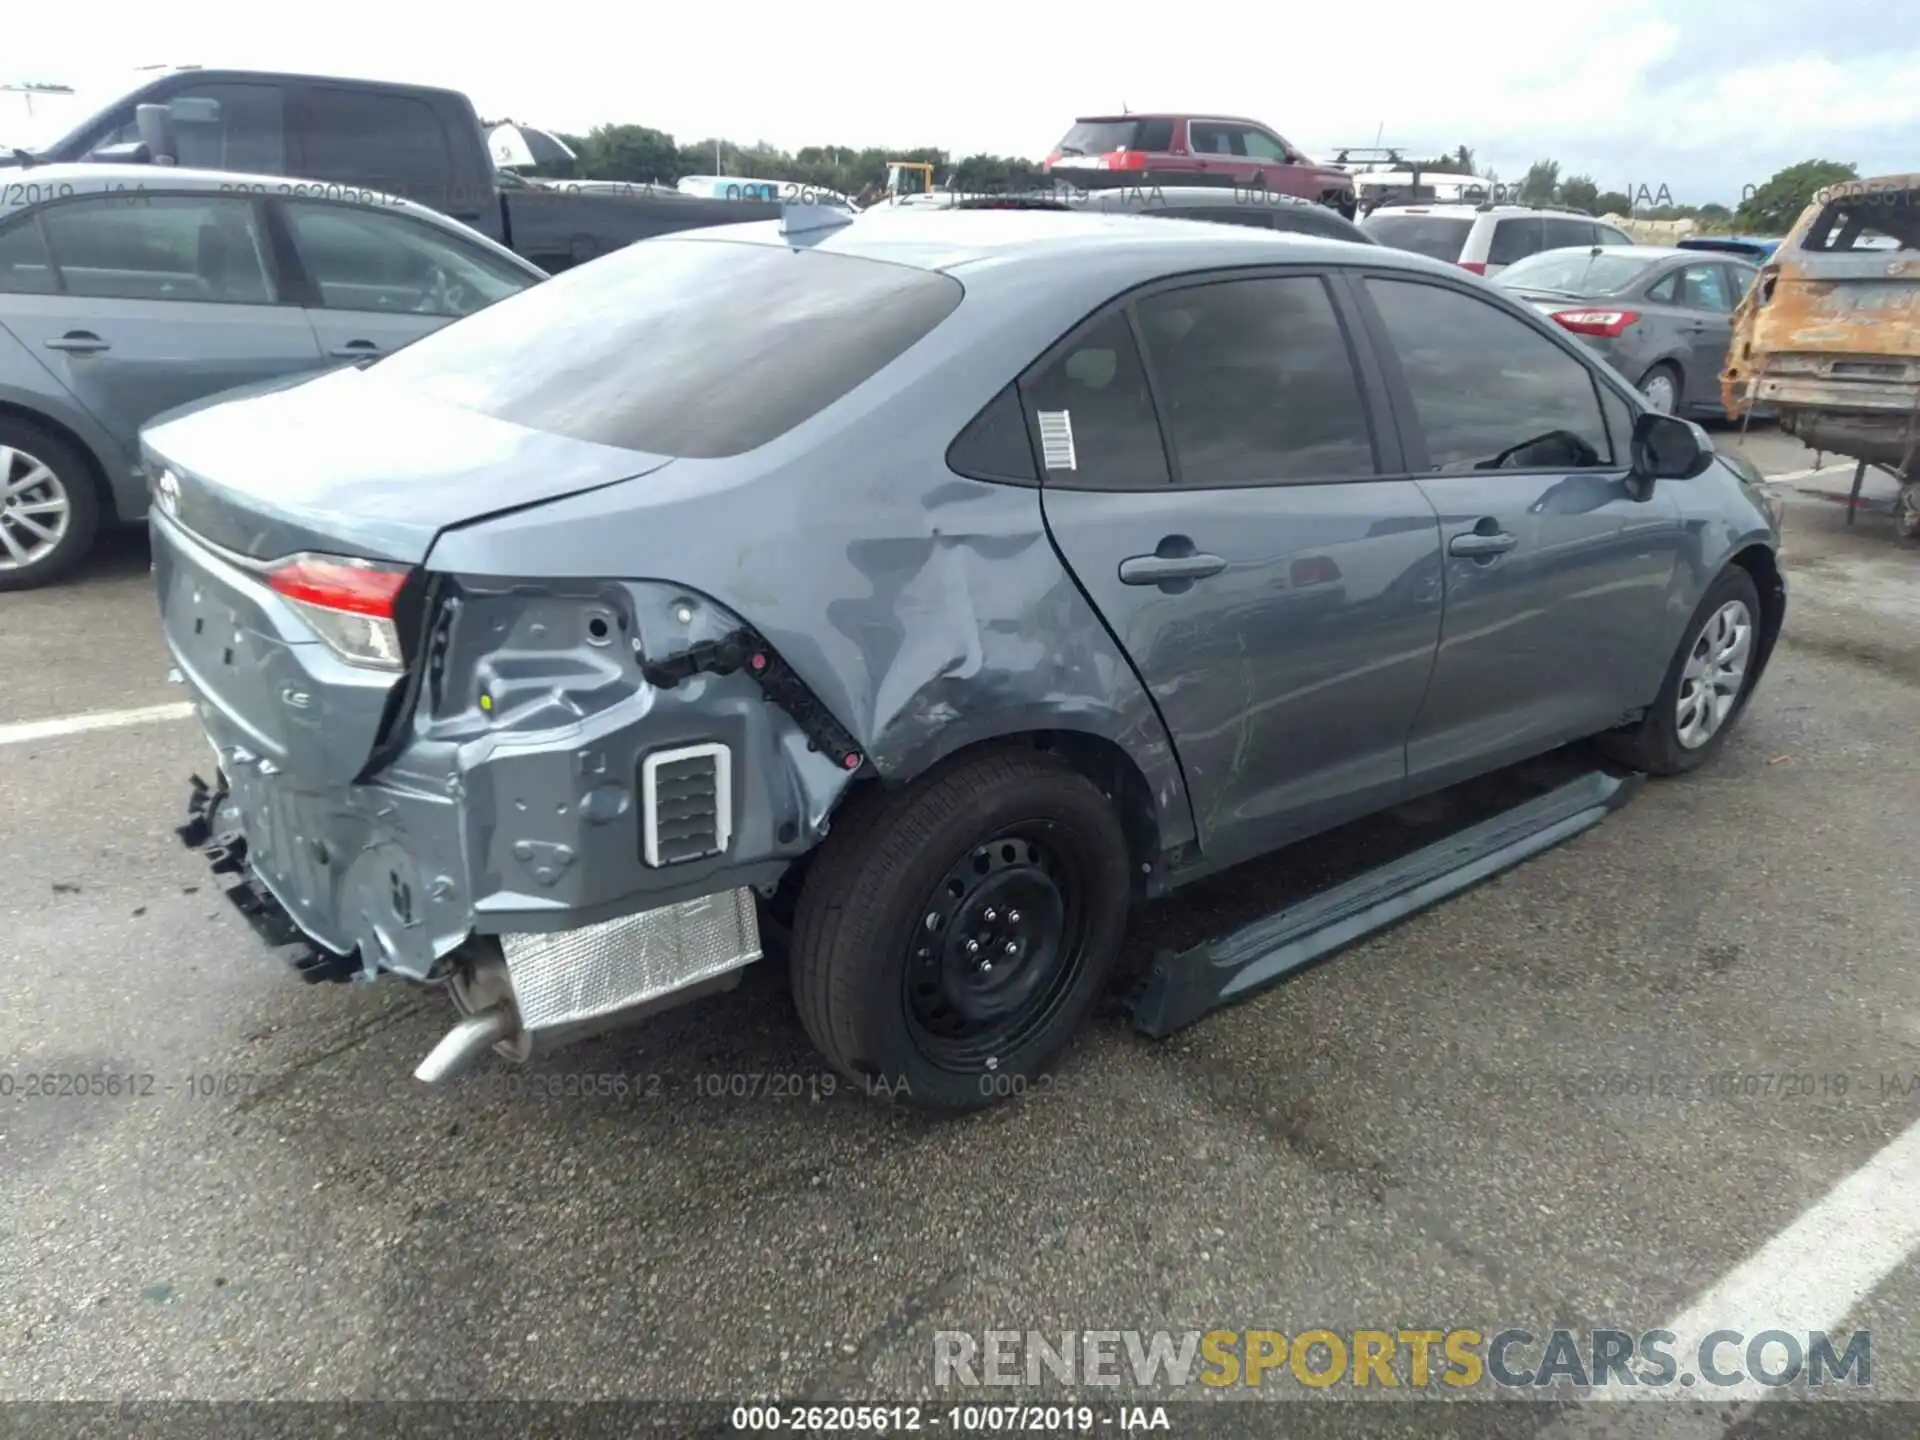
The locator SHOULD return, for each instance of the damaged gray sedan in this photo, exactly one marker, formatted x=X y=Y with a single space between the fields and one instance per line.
x=922 y=591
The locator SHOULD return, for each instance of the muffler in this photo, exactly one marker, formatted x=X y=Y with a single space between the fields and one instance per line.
x=524 y=995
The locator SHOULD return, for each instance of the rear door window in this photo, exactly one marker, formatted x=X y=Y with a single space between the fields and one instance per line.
x=393 y=143
x=1257 y=383
x=1155 y=136
x=1103 y=137
x=362 y=258
x=1092 y=414
x=1216 y=137
x=1490 y=392
x=696 y=348
x=1557 y=234
x=1705 y=287
x=1515 y=239
x=25 y=268
x=161 y=247
x=1439 y=237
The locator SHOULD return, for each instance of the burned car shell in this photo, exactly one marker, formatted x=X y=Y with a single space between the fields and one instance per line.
x=1830 y=331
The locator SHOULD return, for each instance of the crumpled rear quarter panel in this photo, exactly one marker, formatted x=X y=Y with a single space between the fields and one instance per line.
x=926 y=610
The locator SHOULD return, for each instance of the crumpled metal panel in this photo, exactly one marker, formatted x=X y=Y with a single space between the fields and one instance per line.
x=574 y=975
x=1810 y=328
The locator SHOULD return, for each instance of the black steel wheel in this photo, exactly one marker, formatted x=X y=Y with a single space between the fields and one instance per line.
x=999 y=943
x=951 y=936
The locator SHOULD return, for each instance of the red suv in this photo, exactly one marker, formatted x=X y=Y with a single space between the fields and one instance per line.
x=1243 y=151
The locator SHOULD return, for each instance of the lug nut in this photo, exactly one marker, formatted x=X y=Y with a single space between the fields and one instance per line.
x=1013 y=917
x=991 y=914
x=1012 y=948
x=973 y=947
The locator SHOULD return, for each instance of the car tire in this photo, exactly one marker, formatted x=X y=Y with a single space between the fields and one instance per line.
x=1686 y=727
x=1010 y=855
x=1663 y=378
x=66 y=501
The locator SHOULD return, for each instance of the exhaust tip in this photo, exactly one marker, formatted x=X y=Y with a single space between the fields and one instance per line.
x=465 y=1043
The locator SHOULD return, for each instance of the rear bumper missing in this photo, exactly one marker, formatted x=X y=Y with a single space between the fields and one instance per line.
x=522 y=993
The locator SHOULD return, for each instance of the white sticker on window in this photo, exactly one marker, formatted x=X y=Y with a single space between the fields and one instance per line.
x=1056 y=439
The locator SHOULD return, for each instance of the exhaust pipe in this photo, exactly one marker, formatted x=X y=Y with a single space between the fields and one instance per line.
x=465 y=1043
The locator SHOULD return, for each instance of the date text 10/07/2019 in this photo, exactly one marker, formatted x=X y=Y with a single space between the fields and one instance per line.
x=953 y=1419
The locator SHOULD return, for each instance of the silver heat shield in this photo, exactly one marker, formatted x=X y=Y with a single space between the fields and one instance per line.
x=574 y=975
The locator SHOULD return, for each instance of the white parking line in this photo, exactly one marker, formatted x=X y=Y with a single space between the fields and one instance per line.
x=24 y=731
x=1809 y=1277
x=1814 y=1273
x=1819 y=472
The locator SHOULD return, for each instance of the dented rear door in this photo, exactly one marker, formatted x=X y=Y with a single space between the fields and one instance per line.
x=1278 y=597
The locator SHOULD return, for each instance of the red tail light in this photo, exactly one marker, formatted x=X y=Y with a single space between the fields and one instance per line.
x=1126 y=160
x=1608 y=324
x=1478 y=267
x=351 y=605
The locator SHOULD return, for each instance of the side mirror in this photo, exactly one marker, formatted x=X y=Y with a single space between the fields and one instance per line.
x=133 y=152
x=1665 y=447
x=154 y=125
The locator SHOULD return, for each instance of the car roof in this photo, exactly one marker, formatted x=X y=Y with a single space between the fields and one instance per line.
x=38 y=184
x=1140 y=197
x=1463 y=208
x=947 y=240
x=88 y=175
x=1654 y=255
x=1127 y=115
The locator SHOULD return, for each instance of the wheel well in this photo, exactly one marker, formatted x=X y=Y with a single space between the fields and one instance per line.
x=1094 y=756
x=95 y=471
x=1759 y=562
x=1672 y=366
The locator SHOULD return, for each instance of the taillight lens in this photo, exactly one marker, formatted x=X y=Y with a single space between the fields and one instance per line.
x=351 y=605
x=1478 y=267
x=1126 y=160
x=1606 y=323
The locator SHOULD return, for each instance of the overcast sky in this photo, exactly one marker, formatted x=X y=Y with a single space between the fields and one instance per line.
x=1697 y=95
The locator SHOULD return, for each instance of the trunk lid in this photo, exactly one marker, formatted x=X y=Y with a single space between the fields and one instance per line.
x=336 y=467
x=341 y=465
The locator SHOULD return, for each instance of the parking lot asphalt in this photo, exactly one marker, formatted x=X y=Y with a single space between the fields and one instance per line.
x=1526 y=1106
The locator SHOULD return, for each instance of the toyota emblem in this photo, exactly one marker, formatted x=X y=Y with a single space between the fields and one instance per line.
x=167 y=488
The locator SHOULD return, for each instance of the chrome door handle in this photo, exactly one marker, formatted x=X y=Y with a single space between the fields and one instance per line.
x=78 y=342
x=1158 y=569
x=1476 y=543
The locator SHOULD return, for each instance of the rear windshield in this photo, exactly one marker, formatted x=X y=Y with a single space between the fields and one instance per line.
x=695 y=348
x=1575 y=272
x=1439 y=236
x=1102 y=137
x=1867 y=215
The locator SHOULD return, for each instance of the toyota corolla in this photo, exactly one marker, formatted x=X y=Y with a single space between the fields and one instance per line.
x=921 y=590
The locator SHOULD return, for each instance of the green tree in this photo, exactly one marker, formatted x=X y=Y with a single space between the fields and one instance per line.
x=1612 y=202
x=1542 y=182
x=1460 y=162
x=1580 y=192
x=633 y=153
x=1771 y=209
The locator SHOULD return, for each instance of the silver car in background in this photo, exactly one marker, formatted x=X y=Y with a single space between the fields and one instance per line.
x=131 y=290
x=1662 y=317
